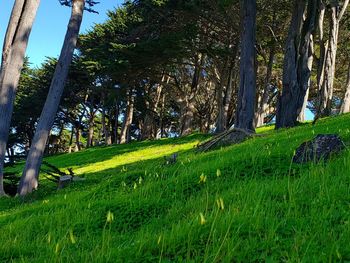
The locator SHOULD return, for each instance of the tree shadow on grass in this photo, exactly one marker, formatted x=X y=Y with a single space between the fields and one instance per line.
x=92 y=157
x=97 y=189
x=259 y=158
x=103 y=153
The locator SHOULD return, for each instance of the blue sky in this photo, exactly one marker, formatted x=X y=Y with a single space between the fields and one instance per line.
x=50 y=26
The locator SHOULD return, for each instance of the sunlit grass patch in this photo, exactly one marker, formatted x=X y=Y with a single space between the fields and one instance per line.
x=240 y=203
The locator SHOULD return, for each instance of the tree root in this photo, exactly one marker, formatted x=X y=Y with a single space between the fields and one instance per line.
x=233 y=136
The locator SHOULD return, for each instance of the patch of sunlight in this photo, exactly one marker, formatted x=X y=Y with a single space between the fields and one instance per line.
x=265 y=128
x=133 y=157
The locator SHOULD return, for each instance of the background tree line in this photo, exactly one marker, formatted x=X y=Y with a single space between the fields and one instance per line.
x=160 y=68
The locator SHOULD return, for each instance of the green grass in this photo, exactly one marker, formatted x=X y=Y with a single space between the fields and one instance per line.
x=241 y=203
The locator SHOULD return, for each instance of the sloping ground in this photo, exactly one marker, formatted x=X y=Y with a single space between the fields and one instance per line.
x=242 y=203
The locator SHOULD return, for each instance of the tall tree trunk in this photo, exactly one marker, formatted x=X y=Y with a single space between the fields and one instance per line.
x=29 y=179
x=302 y=117
x=322 y=60
x=129 y=113
x=162 y=113
x=264 y=98
x=13 y=53
x=149 y=126
x=187 y=117
x=109 y=128
x=345 y=107
x=264 y=102
x=186 y=101
x=247 y=89
x=105 y=125
x=230 y=100
x=221 y=77
x=78 y=127
x=296 y=68
x=92 y=114
x=116 y=123
x=220 y=121
x=77 y=139
x=224 y=97
x=228 y=95
x=105 y=128
x=71 y=140
x=327 y=65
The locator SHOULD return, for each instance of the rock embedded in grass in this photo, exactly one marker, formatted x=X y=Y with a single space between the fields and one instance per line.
x=322 y=147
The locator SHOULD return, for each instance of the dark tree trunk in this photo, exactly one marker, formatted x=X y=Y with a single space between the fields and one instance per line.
x=109 y=128
x=149 y=130
x=105 y=128
x=220 y=120
x=162 y=113
x=186 y=102
x=116 y=123
x=148 y=121
x=228 y=96
x=247 y=89
x=78 y=128
x=296 y=68
x=29 y=179
x=224 y=90
x=105 y=125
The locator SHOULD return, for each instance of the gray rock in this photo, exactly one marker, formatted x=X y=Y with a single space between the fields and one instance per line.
x=322 y=147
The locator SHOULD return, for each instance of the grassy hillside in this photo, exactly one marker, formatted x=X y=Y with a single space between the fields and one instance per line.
x=242 y=203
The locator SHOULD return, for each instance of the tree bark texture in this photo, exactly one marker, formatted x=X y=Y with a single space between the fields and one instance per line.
x=29 y=179
x=345 y=107
x=152 y=99
x=263 y=104
x=187 y=117
x=116 y=123
x=105 y=125
x=246 y=95
x=129 y=113
x=328 y=61
x=13 y=53
x=297 y=66
x=224 y=92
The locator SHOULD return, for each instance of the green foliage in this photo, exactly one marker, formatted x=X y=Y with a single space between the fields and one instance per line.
x=241 y=203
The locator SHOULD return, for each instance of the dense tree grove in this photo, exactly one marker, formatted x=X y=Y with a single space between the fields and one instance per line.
x=165 y=68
